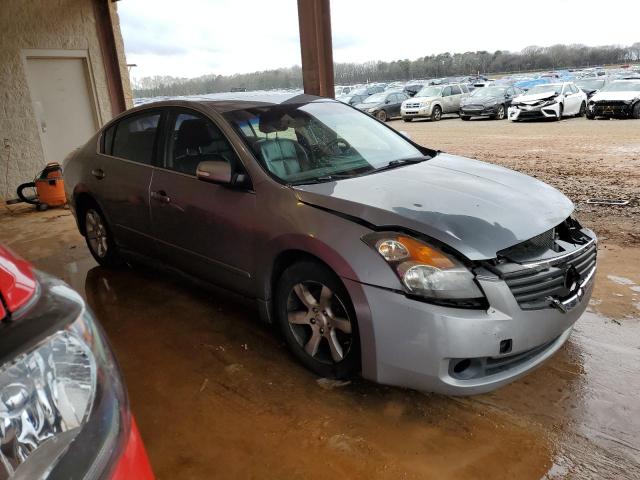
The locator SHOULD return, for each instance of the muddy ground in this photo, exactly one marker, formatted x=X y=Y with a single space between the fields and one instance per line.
x=217 y=395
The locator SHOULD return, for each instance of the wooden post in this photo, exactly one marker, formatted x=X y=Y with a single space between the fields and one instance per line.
x=109 y=52
x=314 y=19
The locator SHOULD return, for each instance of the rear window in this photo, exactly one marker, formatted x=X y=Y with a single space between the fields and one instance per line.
x=135 y=137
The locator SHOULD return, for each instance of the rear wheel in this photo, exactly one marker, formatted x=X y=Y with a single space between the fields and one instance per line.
x=382 y=116
x=316 y=318
x=436 y=114
x=99 y=238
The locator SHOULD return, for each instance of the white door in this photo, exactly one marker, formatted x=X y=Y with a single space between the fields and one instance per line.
x=570 y=101
x=63 y=104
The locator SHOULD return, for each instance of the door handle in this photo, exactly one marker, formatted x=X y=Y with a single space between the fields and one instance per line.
x=161 y=196
x=98 y=173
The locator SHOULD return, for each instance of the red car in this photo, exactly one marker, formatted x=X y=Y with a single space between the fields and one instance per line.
x=63 y=405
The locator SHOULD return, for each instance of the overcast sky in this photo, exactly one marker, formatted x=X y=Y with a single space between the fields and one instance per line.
x=188 y=38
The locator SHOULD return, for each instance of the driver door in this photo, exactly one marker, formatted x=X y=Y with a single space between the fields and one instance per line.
x=202 y=228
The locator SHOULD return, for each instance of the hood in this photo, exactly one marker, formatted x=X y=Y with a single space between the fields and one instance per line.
x=17 y=283
x=416 y=98
x=620 y=96
x=535 y=97
x=366 y=106
x=480 y=100
x=474 y=207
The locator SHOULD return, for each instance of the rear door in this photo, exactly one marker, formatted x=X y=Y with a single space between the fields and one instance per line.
x=456 y=96
x=204 y=229
x=447 y=100
x=121 y=176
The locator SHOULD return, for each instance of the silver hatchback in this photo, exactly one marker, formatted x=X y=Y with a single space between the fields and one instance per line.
x=371 y=253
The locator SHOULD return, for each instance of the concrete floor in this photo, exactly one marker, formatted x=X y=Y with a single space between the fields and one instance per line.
x=217 y=395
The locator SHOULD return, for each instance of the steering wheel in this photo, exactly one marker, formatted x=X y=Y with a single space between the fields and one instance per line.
x=341 y=143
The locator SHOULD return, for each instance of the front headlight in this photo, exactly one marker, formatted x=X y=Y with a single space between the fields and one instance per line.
x=425 y=270
x=424 y=104
x=63 y=410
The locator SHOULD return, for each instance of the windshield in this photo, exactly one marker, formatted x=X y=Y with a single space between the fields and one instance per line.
x=430 y=91
x=623 y=86
x=555 y=87
x=302 y=143
x=590 y=84
x=376 y=98
x=489 y=92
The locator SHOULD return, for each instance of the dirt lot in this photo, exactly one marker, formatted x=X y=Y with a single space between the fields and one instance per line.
x=217 y=395
x=583 y=158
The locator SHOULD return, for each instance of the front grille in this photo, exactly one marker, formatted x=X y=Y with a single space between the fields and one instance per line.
x=531 y=286
x=612 y=107
x=412 y=105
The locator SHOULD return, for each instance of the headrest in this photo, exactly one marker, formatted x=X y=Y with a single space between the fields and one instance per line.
x=194 y=133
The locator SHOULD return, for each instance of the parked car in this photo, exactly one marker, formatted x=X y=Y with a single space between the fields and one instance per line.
x=371 y=253
x=488 y=102
x=342 y=90
x=620 y=99
x=412 y=88
x=352 y=99
x=553 y=100
x=383 y=105
x=434 y=101
x=590 y=86
x=368 y=90
x=64 y=409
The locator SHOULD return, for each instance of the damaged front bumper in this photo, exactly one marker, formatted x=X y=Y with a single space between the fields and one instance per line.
x=611 y=108
x=543 y=110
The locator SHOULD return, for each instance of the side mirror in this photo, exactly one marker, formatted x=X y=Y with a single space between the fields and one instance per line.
x=387 y=101
x=214 y=171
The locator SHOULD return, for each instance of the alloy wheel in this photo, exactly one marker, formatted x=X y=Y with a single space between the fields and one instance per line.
x=97 y=235
x=500 y=115
x=382 y=116
x=319 y=322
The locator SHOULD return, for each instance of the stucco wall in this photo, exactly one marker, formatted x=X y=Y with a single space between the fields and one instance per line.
x=43 y=24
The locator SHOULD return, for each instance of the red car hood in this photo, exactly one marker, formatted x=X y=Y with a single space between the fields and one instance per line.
x=17 y=282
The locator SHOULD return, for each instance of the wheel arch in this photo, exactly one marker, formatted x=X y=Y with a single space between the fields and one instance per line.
x=81 y=200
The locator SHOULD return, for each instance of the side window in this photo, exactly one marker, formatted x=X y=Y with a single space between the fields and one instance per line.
x=446 y=92
x=107 y=140
x=194 y=139
x=455 y=90
x=135 y=137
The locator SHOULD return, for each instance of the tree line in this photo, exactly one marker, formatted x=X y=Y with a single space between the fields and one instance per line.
x=432 y=66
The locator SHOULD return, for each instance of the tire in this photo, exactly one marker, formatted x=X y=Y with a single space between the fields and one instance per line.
x=436 y=114
x=406 y=119
x=590 y=116
x=501 y=114
x=465 y=117
x=382 y=116
x=560 y=112
x=636 y=111
x=99 y=238
x=582 y=111
x=317 y=320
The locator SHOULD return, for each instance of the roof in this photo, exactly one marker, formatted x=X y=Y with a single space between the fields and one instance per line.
x=226 y=102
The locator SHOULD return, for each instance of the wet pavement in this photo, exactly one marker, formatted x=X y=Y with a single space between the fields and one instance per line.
x=217 y=395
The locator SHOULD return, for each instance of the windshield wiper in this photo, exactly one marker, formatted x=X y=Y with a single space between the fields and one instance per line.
x=400 y=162
x=322 y=179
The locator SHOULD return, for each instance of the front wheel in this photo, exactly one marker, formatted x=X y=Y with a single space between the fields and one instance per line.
x=583 y=109
x=465 y=117
x=99 y=238
x=406 y=119
x=381 y=115
x=316 y=318
x=501 y=114
x=560 y=111
x=636 y=111
x=436 y=114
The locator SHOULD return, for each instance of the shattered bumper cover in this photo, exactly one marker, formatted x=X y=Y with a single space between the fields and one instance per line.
x=541 y=110
x=611 y=108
